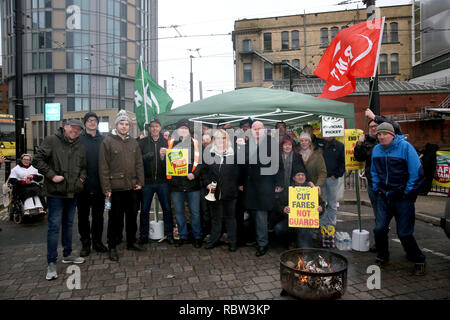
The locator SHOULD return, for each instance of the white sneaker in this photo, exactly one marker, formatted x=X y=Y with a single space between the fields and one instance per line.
x=51 y=271
x=72 y=259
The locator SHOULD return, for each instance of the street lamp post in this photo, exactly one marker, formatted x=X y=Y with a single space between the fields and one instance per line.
x=192 y=81
x=118 y=87
x=90 y=82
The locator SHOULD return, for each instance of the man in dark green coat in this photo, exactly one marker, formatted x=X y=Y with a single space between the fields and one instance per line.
x=62 y=160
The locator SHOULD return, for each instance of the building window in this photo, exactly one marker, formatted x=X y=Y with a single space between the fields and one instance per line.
x=247 y=72
x=246 y=45
x=113 y=26
x=112 y=86
x=41 y=40
x=83 y=4
x=41 y=4
x=41 y=60
x=114 y=8
x=334 y=31
x=41 y=20
x=38 y=105
x=268 y=71
x=78 y=83
x=77 y=40
x=267 y=42
x=76 y=60
x=344 y=27
x=296 y=63
x=383 y=64
x=285 y=69
x=394 y=31
x=42 y=81
x=394 y=63
x=112 y=103
x=77 y=104
x=295 y=40
x=384 y=39
x=284 y=40
x=324 y=37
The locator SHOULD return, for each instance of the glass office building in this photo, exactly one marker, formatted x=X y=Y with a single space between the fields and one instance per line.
x=79 y=53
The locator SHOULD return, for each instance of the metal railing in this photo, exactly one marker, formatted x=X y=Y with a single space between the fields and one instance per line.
x=349 y=180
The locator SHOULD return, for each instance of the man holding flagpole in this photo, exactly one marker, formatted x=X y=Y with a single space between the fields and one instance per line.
x=150 y=100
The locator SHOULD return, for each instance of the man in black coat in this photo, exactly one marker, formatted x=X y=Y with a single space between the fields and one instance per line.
x=363 y=152
x=334 y=155
x=263 y=178
x=155 y=182
x=92 y=199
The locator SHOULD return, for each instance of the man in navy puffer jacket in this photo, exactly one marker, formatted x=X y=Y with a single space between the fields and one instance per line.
x=397 y=175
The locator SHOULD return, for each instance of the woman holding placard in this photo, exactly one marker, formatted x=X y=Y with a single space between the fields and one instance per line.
x=282 y=229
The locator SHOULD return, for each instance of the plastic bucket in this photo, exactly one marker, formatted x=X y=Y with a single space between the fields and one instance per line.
x=156 y=230
x=360 y=240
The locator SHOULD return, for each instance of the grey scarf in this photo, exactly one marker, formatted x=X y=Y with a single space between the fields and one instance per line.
x=287 y=162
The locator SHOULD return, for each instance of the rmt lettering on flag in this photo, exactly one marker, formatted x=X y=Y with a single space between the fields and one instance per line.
x=352 y=53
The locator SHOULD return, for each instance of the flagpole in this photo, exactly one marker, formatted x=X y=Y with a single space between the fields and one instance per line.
x=145 y=94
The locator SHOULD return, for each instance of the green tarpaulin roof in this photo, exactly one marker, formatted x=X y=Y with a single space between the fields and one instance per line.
x=267 y=105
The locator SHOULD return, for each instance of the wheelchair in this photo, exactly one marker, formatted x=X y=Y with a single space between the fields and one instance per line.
x=15 y=206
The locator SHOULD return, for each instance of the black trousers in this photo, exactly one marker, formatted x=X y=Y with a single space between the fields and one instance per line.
x=90 y=204
x=223 y=210
x=123 y=203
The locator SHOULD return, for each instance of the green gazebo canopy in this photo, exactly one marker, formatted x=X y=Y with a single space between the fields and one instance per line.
x=266 y=105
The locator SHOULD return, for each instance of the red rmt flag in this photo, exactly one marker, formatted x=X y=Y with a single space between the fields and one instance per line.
x=352 y=53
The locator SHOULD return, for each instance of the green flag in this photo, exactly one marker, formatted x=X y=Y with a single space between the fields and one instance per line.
x=149 y=98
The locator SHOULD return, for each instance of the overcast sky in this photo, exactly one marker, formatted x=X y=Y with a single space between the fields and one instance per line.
x=204 y=17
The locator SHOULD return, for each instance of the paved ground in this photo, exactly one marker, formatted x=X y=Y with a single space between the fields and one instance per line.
x=167 y=272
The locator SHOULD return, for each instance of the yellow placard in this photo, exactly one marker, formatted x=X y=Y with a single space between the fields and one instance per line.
x=350 y=139
x=442 y=174
x=317 y=129
x=303 y=203
x=177 y=162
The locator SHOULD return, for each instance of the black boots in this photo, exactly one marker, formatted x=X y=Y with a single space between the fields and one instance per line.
x=99 y=247
x=113 y=254
x=261 y=251
x=85 y=249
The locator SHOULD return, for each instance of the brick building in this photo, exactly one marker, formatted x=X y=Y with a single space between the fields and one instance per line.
x=407 y=103
x=265 y=48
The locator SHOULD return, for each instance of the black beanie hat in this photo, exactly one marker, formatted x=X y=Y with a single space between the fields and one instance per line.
x=183 y=123
x=297 y=168
x=88 y=115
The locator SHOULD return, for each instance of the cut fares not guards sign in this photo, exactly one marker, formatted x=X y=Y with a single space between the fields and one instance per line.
x=177 y=162
x=303 y=203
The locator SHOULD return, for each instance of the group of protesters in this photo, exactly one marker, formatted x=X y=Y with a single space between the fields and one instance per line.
x=247 y=172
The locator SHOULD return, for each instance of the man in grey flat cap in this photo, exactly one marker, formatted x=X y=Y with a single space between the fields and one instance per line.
x=61 y=158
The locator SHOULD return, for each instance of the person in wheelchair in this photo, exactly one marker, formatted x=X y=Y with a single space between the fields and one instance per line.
x=25 y=179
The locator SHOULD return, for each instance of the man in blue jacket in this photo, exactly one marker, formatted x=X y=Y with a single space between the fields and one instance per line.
x=397 y=175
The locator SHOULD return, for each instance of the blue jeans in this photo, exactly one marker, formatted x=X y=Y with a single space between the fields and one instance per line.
x=261 y=227
x=373 y=199
x=148 y=191
x=193 y=200
x=330 y=197
x=61 y=212
x=404 y=212
x=304 y=235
